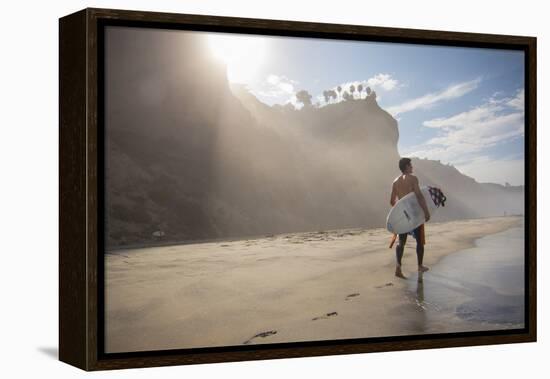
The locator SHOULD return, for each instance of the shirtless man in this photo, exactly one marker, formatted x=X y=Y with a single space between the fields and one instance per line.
x=403 y=185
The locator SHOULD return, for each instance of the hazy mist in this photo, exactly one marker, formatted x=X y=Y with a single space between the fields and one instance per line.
x=188 y=157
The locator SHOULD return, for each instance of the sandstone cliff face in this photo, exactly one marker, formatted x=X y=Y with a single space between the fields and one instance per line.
x=187 y=158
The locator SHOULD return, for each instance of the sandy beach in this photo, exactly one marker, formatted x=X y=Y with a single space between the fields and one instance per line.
x=285 y=288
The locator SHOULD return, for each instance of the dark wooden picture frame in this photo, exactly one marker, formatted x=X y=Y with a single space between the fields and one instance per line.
x=81 y=181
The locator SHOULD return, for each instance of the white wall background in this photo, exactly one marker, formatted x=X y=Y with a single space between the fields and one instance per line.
x=29 y=182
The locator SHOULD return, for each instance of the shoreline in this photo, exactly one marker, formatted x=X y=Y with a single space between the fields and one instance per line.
x=476 y=289
x=287 y=288
x=117 y=249
x=470 y=240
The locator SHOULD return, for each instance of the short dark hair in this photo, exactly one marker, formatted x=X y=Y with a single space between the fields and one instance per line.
x=403 y=163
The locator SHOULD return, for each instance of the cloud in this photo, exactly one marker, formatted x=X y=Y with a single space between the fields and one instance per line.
x=320 y=99
x=384 y=81
x=278 y=88
x=378 y=82
x=431 y=99
x=464 y=139
x=515 y=102
x=281 y=84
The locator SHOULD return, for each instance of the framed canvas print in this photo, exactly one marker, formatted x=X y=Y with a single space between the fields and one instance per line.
x=238 y=189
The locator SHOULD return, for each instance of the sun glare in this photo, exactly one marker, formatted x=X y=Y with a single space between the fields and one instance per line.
x=243 y=55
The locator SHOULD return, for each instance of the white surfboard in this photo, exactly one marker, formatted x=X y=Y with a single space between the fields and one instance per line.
x=407 y=215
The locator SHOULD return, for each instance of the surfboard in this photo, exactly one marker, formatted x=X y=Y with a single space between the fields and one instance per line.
x=407 y=215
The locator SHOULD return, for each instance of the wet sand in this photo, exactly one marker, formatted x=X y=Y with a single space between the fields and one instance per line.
x=481 y=288
x=285 y=288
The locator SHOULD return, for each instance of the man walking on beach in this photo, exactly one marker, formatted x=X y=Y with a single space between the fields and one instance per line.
x=402 y=185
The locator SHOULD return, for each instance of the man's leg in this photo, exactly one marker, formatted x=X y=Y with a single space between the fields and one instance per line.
x=399 y=250
x=419 y=250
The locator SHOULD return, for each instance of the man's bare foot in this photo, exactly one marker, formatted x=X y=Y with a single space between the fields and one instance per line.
x=423 y=268
x=399 y=273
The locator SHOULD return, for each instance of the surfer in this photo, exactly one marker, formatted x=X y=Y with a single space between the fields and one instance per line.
x=402 y=185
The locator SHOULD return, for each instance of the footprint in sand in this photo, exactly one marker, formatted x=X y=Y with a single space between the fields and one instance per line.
x=352 y=295
x=261 y=335
x=385 y=285
x=327 y=315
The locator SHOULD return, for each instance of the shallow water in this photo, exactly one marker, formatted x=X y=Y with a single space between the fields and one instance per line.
x=475 y=289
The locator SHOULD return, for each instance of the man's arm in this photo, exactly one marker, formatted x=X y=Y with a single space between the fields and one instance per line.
x=393 y=195
x=420 y=197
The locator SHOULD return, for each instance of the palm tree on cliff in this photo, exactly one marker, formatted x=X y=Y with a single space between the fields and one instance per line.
x=339 y=89
x=332 y=94
x=326 y=95
x=352 y=90
x=304 y=97
x=360 y=89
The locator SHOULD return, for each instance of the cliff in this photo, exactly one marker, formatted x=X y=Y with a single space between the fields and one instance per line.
x=189 y=158
x=466 y=198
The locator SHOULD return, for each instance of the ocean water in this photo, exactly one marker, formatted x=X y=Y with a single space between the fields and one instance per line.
x=481 y=288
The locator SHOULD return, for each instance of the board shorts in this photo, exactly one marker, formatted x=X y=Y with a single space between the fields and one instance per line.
x=417 y=233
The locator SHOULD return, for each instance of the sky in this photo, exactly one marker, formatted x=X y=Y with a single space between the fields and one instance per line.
x=461 y=106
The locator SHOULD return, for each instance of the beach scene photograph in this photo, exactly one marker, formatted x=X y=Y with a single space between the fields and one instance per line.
x=272 y=189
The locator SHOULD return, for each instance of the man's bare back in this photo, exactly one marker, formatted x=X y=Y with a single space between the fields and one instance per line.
x=404 y=184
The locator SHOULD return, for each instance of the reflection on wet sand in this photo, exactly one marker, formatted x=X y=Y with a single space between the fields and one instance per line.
x=482 y=287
